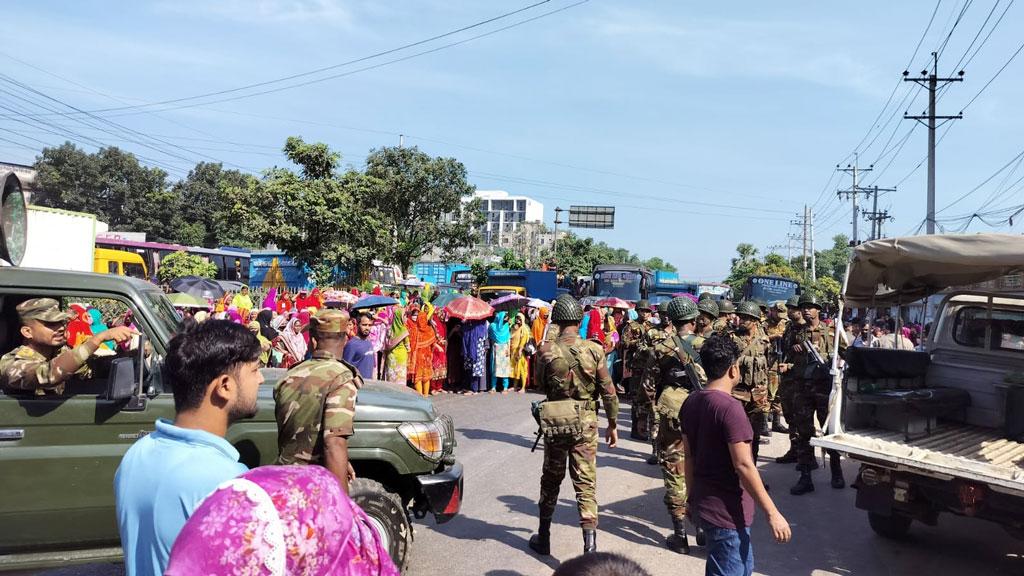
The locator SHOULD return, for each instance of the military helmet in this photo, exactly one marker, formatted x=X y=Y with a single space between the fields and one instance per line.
x=705 y=296
x=643 y=304
x=681 y=309
x=749 y=308
x=709 y=307
x=809 y=299
x=726 y=307
x=663 y=307
x=566 y=309
x=793 y=302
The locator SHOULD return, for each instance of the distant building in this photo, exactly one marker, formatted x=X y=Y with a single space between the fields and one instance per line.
x=504 y=214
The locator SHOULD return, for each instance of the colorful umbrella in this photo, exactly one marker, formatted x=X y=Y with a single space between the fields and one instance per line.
x=538 y=303
x=613 y=302
x=509 y=302
x=198 y=287
x=469 y=308
x=442 y=300
x=685 y=295
x=373 y=301
x=346 y=298
x=181 y=300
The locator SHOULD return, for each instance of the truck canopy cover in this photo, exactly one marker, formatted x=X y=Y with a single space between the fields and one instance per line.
x=893 y=270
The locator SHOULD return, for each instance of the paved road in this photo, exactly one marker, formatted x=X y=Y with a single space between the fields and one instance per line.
x=499 y=513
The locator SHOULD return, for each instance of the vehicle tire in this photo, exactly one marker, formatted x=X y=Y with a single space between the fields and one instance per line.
x=387 y=517
x=894 y=527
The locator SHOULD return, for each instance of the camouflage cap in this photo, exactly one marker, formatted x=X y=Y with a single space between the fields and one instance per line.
x=331 y=320
x=42 y=309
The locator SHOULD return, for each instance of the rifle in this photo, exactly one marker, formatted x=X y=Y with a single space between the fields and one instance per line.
x=535 y=410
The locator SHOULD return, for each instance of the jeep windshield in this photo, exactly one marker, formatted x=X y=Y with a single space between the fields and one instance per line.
x=163 y=312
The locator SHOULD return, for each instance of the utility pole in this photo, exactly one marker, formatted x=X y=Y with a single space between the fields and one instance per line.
x=401 y=140
x=814 y=259
x=806 y=212
x=874 y=216
x=558 y=213
x=852 y=193
x=931 y=83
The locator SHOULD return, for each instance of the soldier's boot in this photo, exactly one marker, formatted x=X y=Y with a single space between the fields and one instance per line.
x=777 y=425
x=766 y=431
x=788 y=458
x=589 y=540
x=803 y=485
x=541 y=541
x=677 y=541
x=698 y=535
x=653 y=458
x=838 y=481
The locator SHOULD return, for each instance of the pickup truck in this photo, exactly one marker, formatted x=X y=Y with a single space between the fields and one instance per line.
x=940 y=431
x=58 y=454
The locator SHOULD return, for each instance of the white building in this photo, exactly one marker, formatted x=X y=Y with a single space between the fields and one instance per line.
x=504 y=214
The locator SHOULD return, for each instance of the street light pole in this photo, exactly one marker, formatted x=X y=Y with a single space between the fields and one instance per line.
x=558 y=213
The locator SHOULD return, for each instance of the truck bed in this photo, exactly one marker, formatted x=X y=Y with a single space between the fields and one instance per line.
x=951 y=450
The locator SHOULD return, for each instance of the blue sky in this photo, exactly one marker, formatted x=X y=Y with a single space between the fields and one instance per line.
x=706 y=124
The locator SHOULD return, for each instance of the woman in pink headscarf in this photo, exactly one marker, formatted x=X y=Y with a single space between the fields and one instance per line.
x=280 y=521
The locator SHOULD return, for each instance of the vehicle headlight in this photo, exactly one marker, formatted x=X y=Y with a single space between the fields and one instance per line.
x=426 y=437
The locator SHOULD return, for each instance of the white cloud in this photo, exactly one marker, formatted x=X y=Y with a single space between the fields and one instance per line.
x=710 y=48
x=324 y=12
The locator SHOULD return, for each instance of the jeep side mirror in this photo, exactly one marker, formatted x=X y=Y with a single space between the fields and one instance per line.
x=121 y=381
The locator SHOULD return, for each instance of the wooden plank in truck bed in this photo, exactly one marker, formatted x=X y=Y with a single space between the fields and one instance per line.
x=954 y=450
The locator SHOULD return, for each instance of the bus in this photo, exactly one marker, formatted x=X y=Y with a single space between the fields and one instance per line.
x=627 y=281
x=231 y=263
x=770 y=289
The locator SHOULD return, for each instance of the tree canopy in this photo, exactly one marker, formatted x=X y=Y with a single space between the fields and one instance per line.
x=180 y=264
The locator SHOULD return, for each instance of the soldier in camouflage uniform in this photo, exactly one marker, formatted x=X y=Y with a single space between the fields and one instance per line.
x=316 y=401
x=775 y=329
x=635 y=352
x=726 y=317
x=571 y=368
x=813 y=386
x=787 y=375
x=708 y=309
x=43 y=363
x=752 y=389
x=668 y=369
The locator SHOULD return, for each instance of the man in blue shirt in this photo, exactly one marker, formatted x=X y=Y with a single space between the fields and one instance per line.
x=213 y=369
x=359 y=350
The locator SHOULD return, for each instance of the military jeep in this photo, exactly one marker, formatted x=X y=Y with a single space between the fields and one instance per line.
x=58 y=453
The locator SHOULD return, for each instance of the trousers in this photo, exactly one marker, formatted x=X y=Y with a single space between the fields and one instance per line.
x=671 y=457
x=580 y=454
x=810 y=401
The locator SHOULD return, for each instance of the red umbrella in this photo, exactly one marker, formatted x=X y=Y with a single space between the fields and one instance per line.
x=469 y=308
x=612 y=302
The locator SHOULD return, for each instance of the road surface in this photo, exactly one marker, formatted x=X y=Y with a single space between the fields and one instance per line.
x=830 y=536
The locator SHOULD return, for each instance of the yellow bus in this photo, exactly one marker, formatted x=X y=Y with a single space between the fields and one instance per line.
x=106 y=261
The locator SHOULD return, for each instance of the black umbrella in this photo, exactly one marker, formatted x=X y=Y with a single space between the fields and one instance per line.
x=198 y=287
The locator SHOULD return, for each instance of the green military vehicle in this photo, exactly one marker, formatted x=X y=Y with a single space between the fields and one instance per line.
x=58 y=454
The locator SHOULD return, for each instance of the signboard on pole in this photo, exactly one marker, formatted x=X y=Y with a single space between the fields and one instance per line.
x=592 y=217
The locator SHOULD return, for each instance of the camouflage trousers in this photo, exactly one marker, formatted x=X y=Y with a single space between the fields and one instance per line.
x=774 y=400
x=581 y=455
x=671 y=457
x=643 y=423
x=787 y=398
x=810 y=400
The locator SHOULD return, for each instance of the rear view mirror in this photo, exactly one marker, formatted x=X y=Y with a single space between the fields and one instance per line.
x=121 y=382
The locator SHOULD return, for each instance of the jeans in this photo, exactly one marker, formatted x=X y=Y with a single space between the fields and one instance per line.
x=729 y=551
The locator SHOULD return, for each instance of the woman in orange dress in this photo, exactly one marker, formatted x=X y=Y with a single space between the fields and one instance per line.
x=421 y=357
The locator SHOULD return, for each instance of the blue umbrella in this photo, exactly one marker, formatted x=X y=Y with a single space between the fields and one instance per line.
x=373 y=301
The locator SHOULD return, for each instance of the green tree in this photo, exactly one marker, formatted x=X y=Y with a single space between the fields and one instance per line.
x=479 y=269
x=204 y=217
x=744 y=265
x=181 y=263
x=509 y=261
x=110 y=184
x=319 y=218
x=657 y=263
x=828 y=289
x=424 y=203
x=832 y=263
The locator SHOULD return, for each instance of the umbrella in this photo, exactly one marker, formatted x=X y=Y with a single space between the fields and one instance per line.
x=685 y=295
x=411 y=282
x=612 y=302
x=231 y=285
x=469 y=308
x=373 y=301
x=442 y=300
x=589 y=301
x=198 y=287
x=509 y=302
x=182 y=300
x=538 y=303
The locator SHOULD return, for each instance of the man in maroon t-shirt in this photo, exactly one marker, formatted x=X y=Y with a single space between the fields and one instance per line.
x=720 y=470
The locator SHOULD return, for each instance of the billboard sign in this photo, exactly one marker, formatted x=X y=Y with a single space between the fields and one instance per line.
x=592 y=217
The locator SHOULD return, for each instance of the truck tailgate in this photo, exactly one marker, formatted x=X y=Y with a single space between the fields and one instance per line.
x=951 y=450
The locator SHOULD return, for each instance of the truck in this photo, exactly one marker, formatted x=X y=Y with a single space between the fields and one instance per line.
x=666 y=286
x=65 y=240
x=541 y=284
x=938 y=431
x=629 y=282
x=437 y=272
